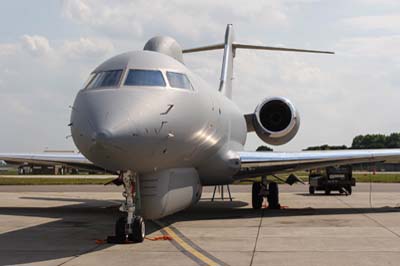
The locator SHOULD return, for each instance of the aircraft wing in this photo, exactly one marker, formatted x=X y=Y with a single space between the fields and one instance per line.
x=66 y=159
x=265 y=163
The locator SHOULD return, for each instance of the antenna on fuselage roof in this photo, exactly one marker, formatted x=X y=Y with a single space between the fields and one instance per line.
x=229 y=46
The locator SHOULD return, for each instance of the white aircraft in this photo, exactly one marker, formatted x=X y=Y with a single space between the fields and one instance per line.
x=147 y=117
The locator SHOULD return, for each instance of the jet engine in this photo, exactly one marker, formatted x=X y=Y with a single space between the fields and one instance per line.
x=275 y=121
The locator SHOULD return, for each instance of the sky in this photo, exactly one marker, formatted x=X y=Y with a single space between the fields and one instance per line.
x=48 y=48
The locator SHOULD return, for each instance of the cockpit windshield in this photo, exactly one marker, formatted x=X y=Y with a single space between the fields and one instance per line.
x=105 y=79
x=138 y=77
x=178 y=80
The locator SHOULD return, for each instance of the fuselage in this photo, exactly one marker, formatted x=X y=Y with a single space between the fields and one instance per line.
x=151 y=128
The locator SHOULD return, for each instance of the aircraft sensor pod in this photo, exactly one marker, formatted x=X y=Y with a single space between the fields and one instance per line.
x=168 y=191
x=165 y=45
x=276 y=121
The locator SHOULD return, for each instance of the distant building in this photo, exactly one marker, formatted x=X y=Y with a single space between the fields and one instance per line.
x=57 y=169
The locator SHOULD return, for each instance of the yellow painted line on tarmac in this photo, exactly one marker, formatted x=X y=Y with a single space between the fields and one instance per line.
x=188 y=248
x=191 y=249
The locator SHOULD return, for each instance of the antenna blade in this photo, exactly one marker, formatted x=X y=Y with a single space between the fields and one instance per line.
x=204 y=48
x=271 y=48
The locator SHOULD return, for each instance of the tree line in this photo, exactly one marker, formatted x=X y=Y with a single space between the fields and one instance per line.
x=369 y=141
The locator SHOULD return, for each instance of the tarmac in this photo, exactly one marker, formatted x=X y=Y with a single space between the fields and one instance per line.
x=59 y=225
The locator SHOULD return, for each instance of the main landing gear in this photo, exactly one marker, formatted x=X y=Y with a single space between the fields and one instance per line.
x=130 y=227
x=261 y=190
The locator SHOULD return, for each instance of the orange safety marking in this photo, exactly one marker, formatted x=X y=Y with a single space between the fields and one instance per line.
x=163 y=237
x=282 y=207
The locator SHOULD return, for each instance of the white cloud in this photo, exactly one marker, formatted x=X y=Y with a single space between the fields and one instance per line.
x=384 y=22
x=76 y=9
x=375 y=47
x=7 y=49
x=15 y=106
x=87 y=47
x=379 y=3
x=189 y=20
x=36 y=45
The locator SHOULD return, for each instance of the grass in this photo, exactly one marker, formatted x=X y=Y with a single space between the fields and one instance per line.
x=380 y=178
x=52 y=181
x=9 y=172
x=360 y=177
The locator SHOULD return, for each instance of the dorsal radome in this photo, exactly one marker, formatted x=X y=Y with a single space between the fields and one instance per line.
x=165 y=45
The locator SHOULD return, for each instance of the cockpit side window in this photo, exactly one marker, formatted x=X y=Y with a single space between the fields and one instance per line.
x=89 y=80
x=105 y=79
x=139 y=77
x=178 y=80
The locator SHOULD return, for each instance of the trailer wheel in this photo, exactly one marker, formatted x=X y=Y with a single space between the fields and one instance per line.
x=311 y=189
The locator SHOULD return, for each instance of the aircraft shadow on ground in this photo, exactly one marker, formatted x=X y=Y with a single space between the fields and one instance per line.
x=77 y=226
x=322 y=194
x=206 y=210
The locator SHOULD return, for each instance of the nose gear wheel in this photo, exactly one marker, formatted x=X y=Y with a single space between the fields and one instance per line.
x=130 y=227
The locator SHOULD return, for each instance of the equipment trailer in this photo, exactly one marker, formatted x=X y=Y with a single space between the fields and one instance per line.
x=332 y=179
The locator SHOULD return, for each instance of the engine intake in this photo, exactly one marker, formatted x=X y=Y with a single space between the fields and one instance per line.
x=276 y=121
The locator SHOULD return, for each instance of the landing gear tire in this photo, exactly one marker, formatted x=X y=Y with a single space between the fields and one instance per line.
x=130 y=227
x=138 y=230
x=273 y=196
x=257 y=199
x=120 y=229
x=311 y=190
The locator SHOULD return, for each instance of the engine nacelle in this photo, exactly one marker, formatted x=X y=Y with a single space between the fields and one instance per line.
x=168 y=191
x=276 y=121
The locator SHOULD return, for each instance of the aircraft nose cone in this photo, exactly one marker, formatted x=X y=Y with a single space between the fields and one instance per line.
x=101 y=137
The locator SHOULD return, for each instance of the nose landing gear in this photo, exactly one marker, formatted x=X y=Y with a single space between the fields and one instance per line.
x=261 y=190
x=130 y=227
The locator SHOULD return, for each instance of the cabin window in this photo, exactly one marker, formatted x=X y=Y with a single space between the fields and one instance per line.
x=178 y=80
x=105 y=79
x=138 y=77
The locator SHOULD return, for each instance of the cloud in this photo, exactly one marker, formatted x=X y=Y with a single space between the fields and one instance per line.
x=183 y=19
x=384 y=22
x=87 y=47
x=372 y=47
x=36 y=45
x=39 y=46
x=380 y=3
x=7 y=49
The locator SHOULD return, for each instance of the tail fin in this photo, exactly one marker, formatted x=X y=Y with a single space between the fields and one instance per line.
x=229 y=46
x=225 y=84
